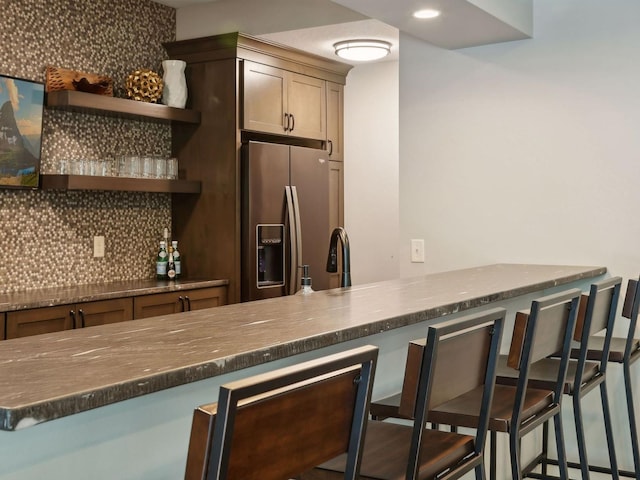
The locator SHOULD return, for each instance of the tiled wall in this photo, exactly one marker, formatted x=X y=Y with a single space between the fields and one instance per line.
x=46 y=237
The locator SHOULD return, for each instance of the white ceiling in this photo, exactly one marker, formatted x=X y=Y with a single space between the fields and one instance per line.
x=462 y=23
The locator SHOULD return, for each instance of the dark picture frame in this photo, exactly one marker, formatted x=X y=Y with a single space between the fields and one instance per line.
x=21 y=111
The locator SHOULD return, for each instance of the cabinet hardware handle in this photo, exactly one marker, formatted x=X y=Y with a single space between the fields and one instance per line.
x=293 y=122
x=286 y=122
x=330 y=147
x=181 y=303
x=186 y=297
x=81 y=312
x=72 y=314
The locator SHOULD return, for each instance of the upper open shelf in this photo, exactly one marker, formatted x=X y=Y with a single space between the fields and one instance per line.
x=118 y=107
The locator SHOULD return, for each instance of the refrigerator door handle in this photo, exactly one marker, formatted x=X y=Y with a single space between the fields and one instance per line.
x=298 y=272
x=291 y=288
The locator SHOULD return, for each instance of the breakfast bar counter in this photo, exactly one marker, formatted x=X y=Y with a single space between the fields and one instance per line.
x=92 y=402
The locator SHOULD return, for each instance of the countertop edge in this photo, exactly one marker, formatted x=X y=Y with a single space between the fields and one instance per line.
x=12 y=419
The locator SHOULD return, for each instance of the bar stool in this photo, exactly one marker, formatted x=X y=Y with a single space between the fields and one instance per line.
x=518 y=410
x=458 y=357
x=596 y=314
x=276 y=425
x=624 y=351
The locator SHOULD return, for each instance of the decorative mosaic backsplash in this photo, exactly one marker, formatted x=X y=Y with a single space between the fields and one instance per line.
x=46 y=237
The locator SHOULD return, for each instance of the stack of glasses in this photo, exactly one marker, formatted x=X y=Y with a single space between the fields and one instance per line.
x=134 y=166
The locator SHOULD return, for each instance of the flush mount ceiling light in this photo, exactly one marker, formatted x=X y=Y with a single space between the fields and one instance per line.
x=362 y=50
x=426 y=13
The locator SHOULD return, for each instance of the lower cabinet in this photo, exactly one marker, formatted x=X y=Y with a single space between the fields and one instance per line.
x=36 y=321
x=174 y=302
x=103 y=312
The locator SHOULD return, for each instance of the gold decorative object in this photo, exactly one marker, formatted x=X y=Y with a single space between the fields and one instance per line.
x=144 y=85
x=63 y=79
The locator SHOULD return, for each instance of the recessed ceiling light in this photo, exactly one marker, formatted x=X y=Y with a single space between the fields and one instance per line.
x=426 y=13
x=362 y=50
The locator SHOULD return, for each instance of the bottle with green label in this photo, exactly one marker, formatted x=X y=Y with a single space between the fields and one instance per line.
x=161 y=262
x=176 y=258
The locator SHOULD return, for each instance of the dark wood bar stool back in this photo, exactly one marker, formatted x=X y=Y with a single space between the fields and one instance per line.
x=624 y=351
x=596 y=315
x=279 y=424
x=519 y=409
x=458 y=356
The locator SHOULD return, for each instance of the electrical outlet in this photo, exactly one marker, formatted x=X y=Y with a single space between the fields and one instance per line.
x=98 y=246
x=417 y=250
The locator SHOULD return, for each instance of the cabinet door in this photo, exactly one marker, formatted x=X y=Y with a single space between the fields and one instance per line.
x=158 y=304
x=105 y=311
x=265 y=93
x=205 y=298
x=35 y=321
x=336 y=208
x=2 y=326
x=335 y=126
x=307 y=106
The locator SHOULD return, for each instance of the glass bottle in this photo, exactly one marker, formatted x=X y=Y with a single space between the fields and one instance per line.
x=161 y=262
x=176 y=258
x=171 y=266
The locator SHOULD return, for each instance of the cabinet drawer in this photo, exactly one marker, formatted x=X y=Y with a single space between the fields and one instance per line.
x=167 y=303
x=105 y=311
x=206 y=298
x=158 y=304
x=25 y=323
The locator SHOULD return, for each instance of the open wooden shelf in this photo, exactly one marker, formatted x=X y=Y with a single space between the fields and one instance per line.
x=123 y=184
x=118 y=107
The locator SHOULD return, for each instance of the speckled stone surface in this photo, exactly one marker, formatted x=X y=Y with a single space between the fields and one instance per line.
x=49 y=297
x=50 y=376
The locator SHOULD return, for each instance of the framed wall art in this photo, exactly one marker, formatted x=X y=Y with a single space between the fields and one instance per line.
x=21 y=107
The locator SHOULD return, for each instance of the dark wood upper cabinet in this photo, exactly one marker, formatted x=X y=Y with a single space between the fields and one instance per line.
x=335 y=121
x=284 y=103
x=244 y=88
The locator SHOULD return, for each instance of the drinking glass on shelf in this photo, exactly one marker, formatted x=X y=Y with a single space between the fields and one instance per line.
x=91 y=167
x=148 y=166
x=161 y=166
x=64 y=166
x=121 y=166
x=77 y=167
x=172 y=168
x=107 y=167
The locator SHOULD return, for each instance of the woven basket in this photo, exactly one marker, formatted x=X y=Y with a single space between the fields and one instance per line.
x=63 y=79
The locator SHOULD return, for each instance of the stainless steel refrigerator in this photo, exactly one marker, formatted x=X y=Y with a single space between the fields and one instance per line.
x=285 y=218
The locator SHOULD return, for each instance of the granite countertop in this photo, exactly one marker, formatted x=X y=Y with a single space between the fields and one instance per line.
x=49 y=376
x=49 y=297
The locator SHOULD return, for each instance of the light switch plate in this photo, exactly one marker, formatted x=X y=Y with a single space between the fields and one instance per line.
x=417 y=250
x=98 y=246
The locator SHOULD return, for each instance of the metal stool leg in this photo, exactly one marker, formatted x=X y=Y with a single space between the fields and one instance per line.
x=562 y=455
x=492 y=455
x=632 y=419
x=545 y=448
x=582 y=447
x=514 y=451
x=606 y=412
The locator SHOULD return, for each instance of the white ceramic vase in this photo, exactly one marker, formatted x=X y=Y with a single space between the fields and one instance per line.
x=174 y=93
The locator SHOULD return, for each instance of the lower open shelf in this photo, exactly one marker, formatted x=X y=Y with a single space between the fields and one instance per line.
x=123 y=184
